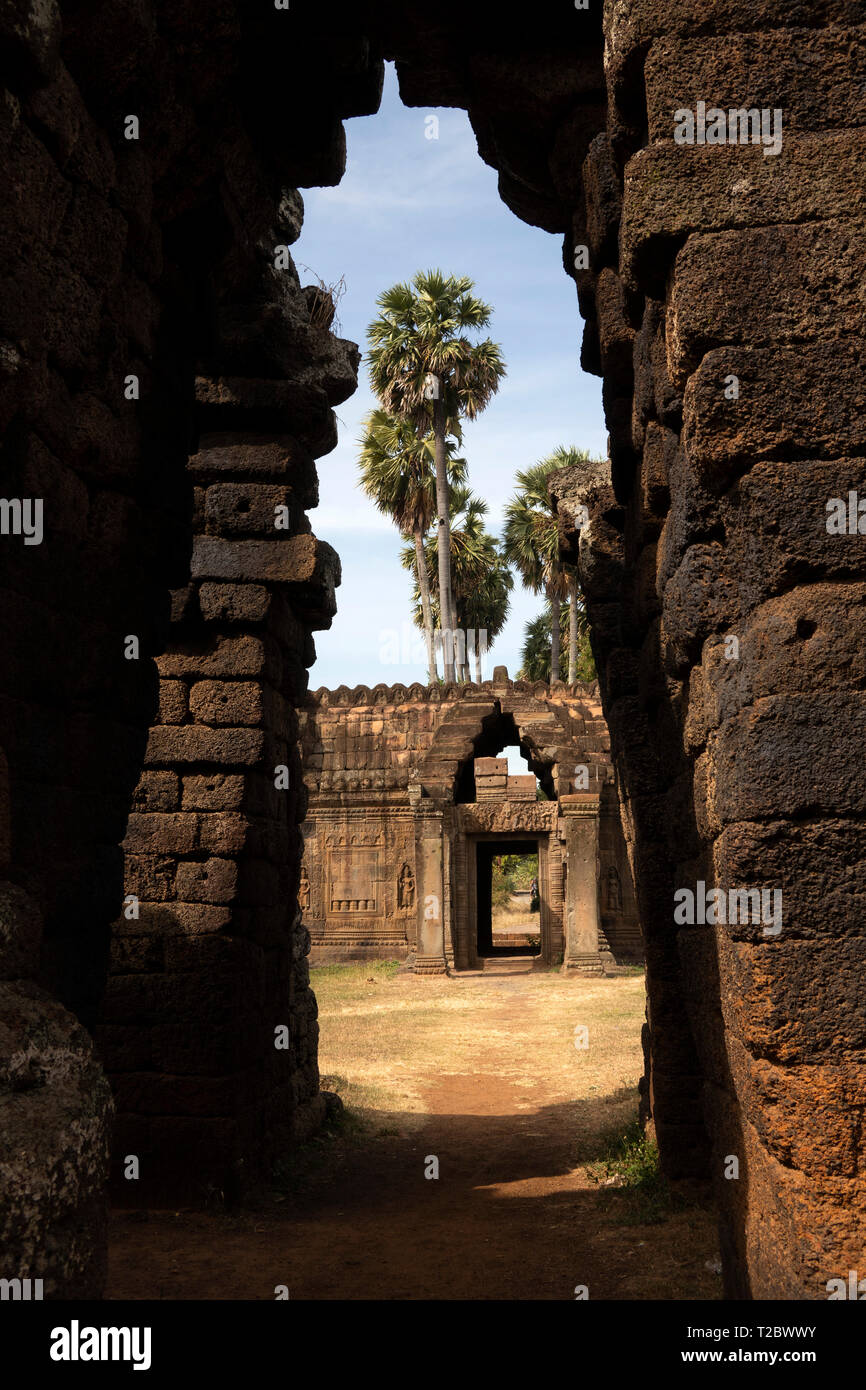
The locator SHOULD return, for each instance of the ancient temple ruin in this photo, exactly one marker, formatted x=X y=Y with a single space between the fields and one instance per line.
x=408 y=800
x=167 y=383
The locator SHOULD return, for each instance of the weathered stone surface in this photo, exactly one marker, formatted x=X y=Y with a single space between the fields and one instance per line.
x=296 y=560
x=226 y=702
x=157 y=791
x=57 y=1112
x=20 y=933
x=216 y=791
x=810 y=75
x=791 y=402
x=772 y=305
x=234 y=603
x=194 y=744
x=733 y=692
x=392 y=773
x=673 y=190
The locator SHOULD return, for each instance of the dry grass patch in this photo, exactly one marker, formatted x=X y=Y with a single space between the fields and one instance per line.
x=385 y=1035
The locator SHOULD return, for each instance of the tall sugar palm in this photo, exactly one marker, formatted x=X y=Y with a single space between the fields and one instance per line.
x=535 y=653
x=570 y=458
x=574 y=600
x=531 y=544
x=420 y=357
x=484 y=608
x=482 y=581
x=398 y=472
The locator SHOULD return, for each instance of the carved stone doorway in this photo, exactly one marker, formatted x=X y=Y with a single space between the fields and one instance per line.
x=483 y=850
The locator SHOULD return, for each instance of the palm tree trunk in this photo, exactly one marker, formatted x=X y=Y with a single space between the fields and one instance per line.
x=443 y=540
x=572 y=627
x=554 y=634
x=461 y=656
x=477 y=657
x=461 y=653
x=426 y=610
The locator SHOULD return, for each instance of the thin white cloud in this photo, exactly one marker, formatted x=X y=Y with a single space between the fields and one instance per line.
x=328 y=521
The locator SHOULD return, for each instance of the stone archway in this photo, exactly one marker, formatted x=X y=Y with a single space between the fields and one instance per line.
x=379 y=806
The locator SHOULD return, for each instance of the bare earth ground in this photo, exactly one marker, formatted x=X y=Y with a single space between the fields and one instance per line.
x=480 y=1071
x=514 y=925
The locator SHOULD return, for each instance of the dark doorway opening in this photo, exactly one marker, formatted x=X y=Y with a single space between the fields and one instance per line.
x=508 y=898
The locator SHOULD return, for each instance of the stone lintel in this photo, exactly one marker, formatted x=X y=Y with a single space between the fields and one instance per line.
x=534 y=817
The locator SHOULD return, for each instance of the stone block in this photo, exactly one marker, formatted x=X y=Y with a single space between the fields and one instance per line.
x=150 y=877
x=793 y=402
x=234 y=603
x=156 y=832
x=814 y=866
x=486 y=767
x=521 y=787
x=791 y=755
x=265 y=458
x=794 y=283
x=760 y=69
x=226 y=702
x=210 y=881
x=673 y=190
x=224 y=658
x=249 y=509
x=216 y=791
x=224 y=833
x=192 y=744
x=172 y=702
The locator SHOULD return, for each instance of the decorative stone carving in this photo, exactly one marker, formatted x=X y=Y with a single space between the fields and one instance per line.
x=353 y=877
x=363 y=839
x=406 y=888
x=613 y=891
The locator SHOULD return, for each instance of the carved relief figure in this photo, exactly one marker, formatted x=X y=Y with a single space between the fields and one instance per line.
x=304 y=891
x=614 y=891
x=406 y=888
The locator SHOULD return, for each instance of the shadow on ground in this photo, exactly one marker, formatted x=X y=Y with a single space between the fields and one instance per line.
x=514 y=1214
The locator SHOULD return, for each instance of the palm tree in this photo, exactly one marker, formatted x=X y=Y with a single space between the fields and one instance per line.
x=482 y=581
x=398 y=473
x=531 y=543
x=419 y=356
x=572 y=588
x=535 y=652
x=484 y=606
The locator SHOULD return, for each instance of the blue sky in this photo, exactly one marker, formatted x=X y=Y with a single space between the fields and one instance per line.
x=409 y=203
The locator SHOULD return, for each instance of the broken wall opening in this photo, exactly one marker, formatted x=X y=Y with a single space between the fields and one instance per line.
x=498 y=732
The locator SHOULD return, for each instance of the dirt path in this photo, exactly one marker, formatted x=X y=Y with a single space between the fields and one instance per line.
x=512 y=1215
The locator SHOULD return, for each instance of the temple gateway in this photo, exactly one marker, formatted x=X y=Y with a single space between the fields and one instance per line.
x=409 y=803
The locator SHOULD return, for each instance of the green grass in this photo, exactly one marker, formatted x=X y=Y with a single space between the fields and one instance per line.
x=629 y=1164
x=316 y=1163
x=356 y=971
